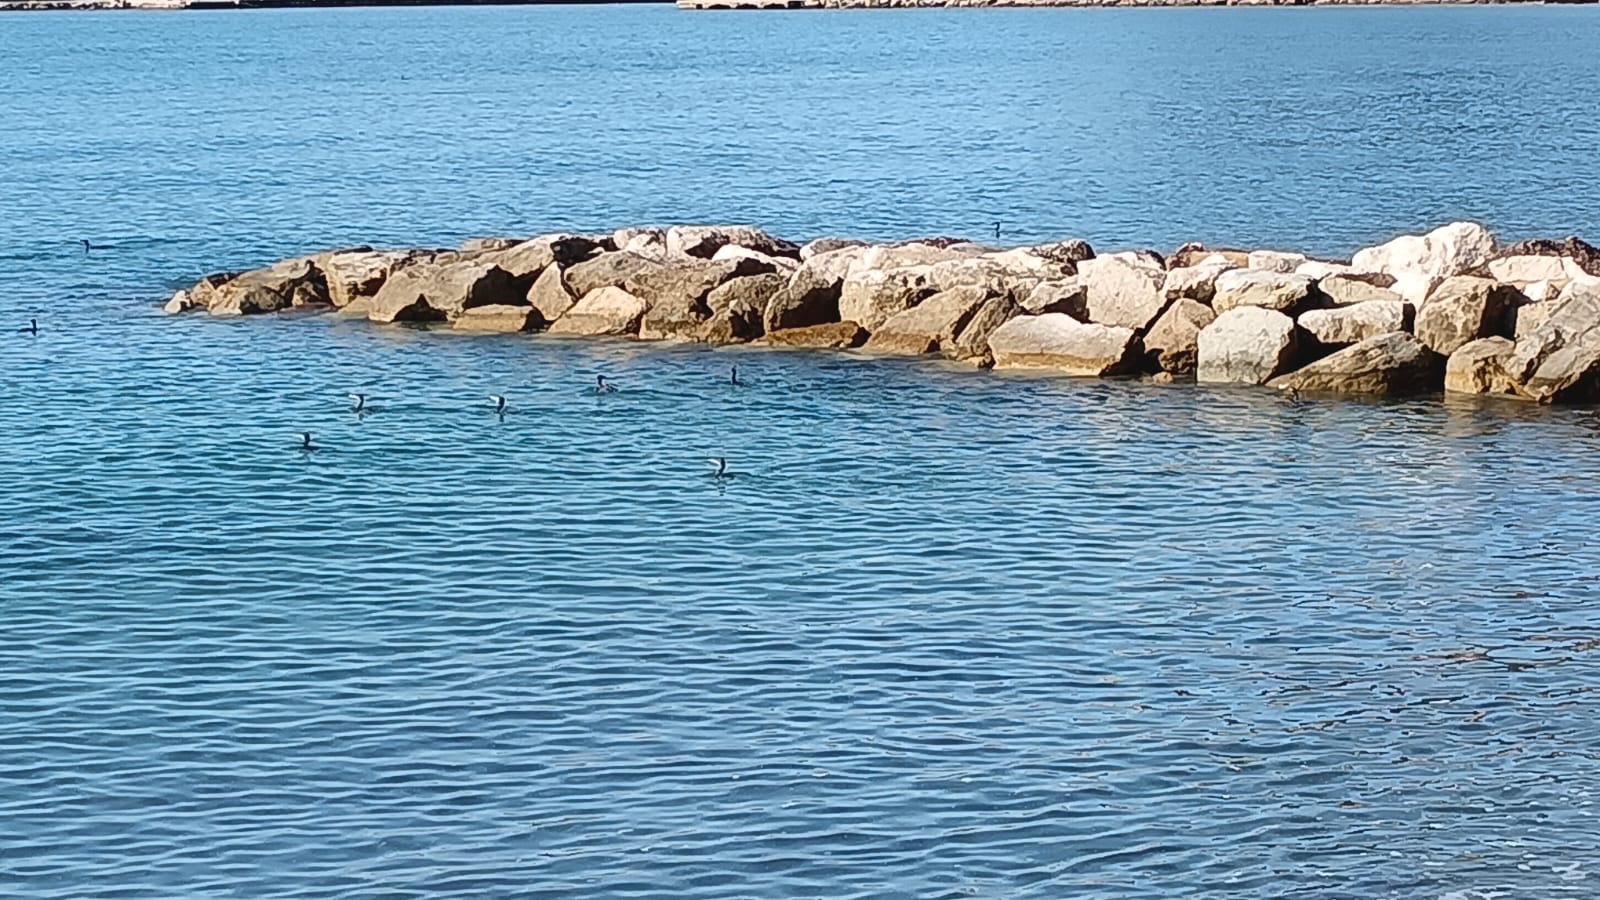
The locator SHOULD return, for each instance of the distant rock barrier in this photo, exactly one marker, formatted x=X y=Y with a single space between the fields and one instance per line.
x=942 y=4
x=1451 y=310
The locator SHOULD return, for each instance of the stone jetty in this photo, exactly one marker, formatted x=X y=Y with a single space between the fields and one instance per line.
x=1450 y=310
x=943 y=4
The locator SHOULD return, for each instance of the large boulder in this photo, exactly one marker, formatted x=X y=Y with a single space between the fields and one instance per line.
x=1348 y=290
x=1123 y=289
x=1342 y=325
x=705 y=240
x=812 y=295
x=1198 y=283
x=734 y=320
x=527 y=259
x=972 y=344
x=1479 y=367
x=1275 y=261
x=1393 y=363
x=1560 y=360
x=871 y=297
x=755 y=291
x=435 y=291
x=1521 y=270
x=827 y=336
x=1059 y=342
x=686 y=283
x=1529 y=316
x=784 y=264
x=1172 y=346
x=285 y=284
x=608 y=270
x=1064 y=295
x=504 y=319
x=608 y=310
x=1067 y=253
x=550 y=294
x=828 y=245
x=1195 y=254
x=201 y=295
x=354 y=275
x=1462 y=309
x=1278 y=291
x=931 y=325
x=1245 y=345
x=1451 y=250
x=1578 y=256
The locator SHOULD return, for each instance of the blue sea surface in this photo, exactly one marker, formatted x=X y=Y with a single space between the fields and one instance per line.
x=945 y=634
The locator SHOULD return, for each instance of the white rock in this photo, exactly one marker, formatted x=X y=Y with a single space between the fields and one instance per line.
x=1247 y=345
x=1451 y=250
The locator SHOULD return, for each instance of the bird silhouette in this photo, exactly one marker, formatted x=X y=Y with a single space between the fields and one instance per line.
x=601 y=386
x=31 y=328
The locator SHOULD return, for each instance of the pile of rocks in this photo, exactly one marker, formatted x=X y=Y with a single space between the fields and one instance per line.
x=1450 y=309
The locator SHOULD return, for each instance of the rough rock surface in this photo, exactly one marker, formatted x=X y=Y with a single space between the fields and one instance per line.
x=756 y=291
x=832 y=335
x=290 y=283
x=1246 y=345
x=527 y=259
x=433 y=291
x=507 y=319
x=930 y=325
x=1059 y=342
x=1197 y=282
x=812 y=295
x=608 y=270
x=353 y=275
x=1393 y=363
x=705 y=240
x=1190 y=255
x=1172 y=346
x=1275 y=261
x=1451 y=250
x=605 y=311
x=1123 y=289
x=1581 y=255
x=972 y=344
x=1268 y=290
x=1342 y=325
x=1478 y=367
x=550 y=294
x=1560 y=359
x=1462 y=309
x=1066 y=295
x=1348 y=290
x=872 y=296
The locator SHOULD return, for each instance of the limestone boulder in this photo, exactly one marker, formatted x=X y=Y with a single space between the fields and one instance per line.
x=1560 y=360
x=930 y=325
x=972 y=343
x=608 y=270
x=1578 y=256
x=1172 y=346
x=1415 y=288
x=526 y=259
x=1285 y=293
x=705 y=240
x=1198 y=282
x=1194 y=254
x=811 y=296
x=1275 y=261
x=755 y=291
x=996 y=273
x=1319 y=269
x=687 y=282
x=1529 y=316
x=651 y=243
x=1462 y=309
x=1058 y=342
x=1451 y=250
x=436 y=291
x=1343 y=325
x=871 y=297
x=735 y=321
x=607 y=310
x=550 y=295
x=504 y=319
x=282 y=285
x=1521 y=270
x=1064 y=295
x=1541 y=291
x=201 y=295
x=354 y=275
x=181 y=302
x=828 y=336
x=1348 y=290
x=1479 y=367
x=1245 y=345
x=1123 y=289
x=1395 y=363
x=827 y=245
x=784 y=264
x=1065 y=253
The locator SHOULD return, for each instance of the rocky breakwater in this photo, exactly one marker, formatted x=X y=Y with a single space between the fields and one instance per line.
x=1451 y=310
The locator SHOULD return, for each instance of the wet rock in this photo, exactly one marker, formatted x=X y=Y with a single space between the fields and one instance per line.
x=1478 y=367
x=1123 y=289
x=1462 y=309
x=705 y=240
x=1172 y=345
x=1560 y=360
x=1451 y=250
x=871 y=297
x=430 y=292
x=607 y=310
x=282 y=285
x=930 y=325
x=831 y=335
x=1275 y=261
x=1342 y=325
x=181 y=302
x=505 y=319
x=1268 y=290
x=1394 y=363
x=550 y=294
x=1065 y=295
x=607 y=270
x=1348 y=290
x=1061 y=343
x=1245 y=345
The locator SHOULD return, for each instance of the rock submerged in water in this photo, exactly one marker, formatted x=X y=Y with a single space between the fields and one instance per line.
x=1449 y=309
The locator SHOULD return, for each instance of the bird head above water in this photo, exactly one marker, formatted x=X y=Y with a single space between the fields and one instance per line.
x=305 y=441
x=499 y=402
x=601 y=386
x=360 y=401
x=720 y=464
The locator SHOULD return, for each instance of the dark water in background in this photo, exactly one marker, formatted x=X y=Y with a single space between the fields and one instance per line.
x=946 y=635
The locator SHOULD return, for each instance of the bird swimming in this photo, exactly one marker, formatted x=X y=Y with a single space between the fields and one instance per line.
x=305 y=442
x=721 y=464
x=733 y=376
x=88 y=246
x=997 y=231
x=601 y=386
x=31 y=328
x=499 y=404
x=361 y=403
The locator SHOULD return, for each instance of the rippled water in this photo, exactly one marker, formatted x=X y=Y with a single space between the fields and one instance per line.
x=946 y=634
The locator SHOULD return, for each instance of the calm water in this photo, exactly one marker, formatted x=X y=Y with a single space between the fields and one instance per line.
x=945 y=635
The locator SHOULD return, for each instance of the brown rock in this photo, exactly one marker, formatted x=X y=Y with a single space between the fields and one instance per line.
x=931 y=325
x=812 y=295
x=1343 y=325
x=1058 y=342
x=605 y=311
x=1394 y=363
x=1584 y=256
x=505 y=319
x=1173 y=342
x=871 y=296
x=354 y=275
x=705 y=240
x=1478 y=367
x=1245 y=345
x=290 y=283
x=832 y=335
x=1195 y=254
x=1269 y=290
x=1462 y=309
x=973 y=342
x=1066 y=295
x=755 y=291
x=734 y=322
x=1560 y=360
x=550 y=294
x=431 y=291
x=1124 y=289
x=607 y=270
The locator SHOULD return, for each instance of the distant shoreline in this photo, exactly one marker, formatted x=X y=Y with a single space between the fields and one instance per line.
x=181 y=5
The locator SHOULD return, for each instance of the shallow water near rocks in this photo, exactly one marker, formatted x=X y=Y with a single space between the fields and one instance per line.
x=944 y=634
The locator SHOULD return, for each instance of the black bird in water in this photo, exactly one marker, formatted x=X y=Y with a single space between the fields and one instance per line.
x=733 y=376
x=88 y=246
x=721 y=464
x=31 y=328
x=601 y=386
x=499 y=404
x=305 y=443
x=997 y=231
x=360 y=403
